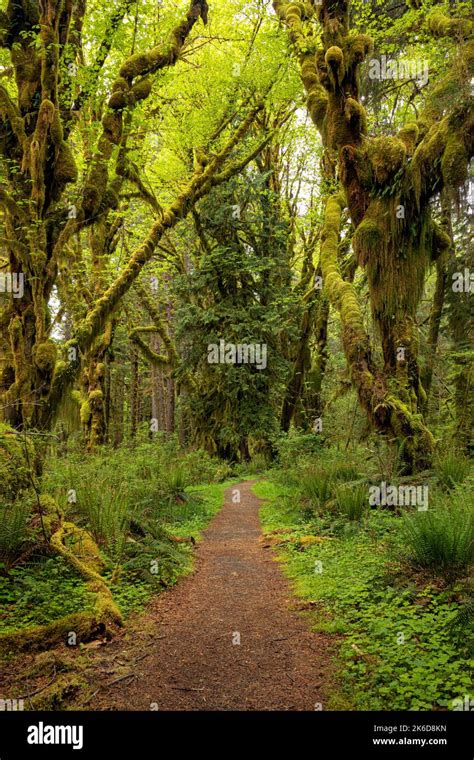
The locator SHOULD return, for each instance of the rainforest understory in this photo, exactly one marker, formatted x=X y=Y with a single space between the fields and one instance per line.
x=236 y=264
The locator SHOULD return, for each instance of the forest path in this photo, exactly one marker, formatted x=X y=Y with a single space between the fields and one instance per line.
x=190 y=659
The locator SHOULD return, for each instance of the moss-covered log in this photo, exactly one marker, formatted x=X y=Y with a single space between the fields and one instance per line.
x=77 y=547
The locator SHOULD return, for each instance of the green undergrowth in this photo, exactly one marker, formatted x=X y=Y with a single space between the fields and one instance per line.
x=403 y=632
x=144 y=510
x=40 y=591
x=134 y=588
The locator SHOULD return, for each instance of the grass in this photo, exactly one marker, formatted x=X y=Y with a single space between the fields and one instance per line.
x=105 y=512
x=316 y=487
x=451 y=469
x=13 y=532
x=352 y=501
x=134 y=507
x=394 y=631
x=441 y=539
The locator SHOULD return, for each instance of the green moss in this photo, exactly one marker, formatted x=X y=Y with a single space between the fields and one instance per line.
x=85 y=412
x=387 y=156
x=45 y=356
x=441 y=242
x=65 y=169
x=118 y=100
x=137 y=64
x=83 y=546
x=356 y=116
x=317 y=104
x=425 y=163
x=401 y=258
x=17 y=462
x=418 y=442
x=441 y=25
x=95 y=399
x=60 y=692
x=367 y=240
x=293 y=13
x=76 y=396
x=359 y=47
x=112 y=126
x=335 y=62
x=141 y=89
x=409 y=135
x=455 y=161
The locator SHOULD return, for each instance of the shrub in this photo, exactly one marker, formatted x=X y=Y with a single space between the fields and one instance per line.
x=451 y=468
x=296 y=446
x=257 y=464
x=345 y=471
x=316 y=486
x=105 y=510
x=441 y=539
x=352 y=501
x=175 y=481
x=13 y=531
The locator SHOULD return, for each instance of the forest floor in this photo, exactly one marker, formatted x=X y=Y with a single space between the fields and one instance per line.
x=284 y=604
x=184 y=653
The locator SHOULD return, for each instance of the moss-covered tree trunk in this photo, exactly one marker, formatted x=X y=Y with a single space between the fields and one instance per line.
x=39 y=218
x=387 y=186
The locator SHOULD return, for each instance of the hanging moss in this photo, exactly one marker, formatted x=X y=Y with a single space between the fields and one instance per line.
x=367 y=241
x=17 y=463
x=441 y=242
x=441 y=25
x=358 y=47
x=409 y=136
x=334 y=59
x=355 y=116
x=65 y=169
x=400 y=259
x=418 y=442
x=85 y=412
x=387 y=156
x=44 y=355
x=426 y=157
x=455 y=162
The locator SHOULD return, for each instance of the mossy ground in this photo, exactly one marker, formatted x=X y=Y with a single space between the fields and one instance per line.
x=141 y=495
x=395 y=649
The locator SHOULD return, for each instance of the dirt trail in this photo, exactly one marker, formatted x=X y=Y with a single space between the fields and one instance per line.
x=192 y=661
